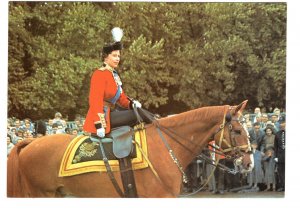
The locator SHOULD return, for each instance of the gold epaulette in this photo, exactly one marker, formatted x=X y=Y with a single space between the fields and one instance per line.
x=103 y=68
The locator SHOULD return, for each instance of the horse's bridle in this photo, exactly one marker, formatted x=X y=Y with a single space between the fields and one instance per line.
x=231 y=147
x=226 y=122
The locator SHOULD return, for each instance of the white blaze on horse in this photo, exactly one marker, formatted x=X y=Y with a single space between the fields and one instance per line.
x=33 y=166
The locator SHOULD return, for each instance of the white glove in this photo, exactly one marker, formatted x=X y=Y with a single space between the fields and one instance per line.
x=101 y=132
x=276 y=160
x=137 y=104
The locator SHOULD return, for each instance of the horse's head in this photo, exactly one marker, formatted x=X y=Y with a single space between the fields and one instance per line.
x=233 y=139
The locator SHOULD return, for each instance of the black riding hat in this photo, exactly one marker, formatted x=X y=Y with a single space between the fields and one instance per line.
x=108 y=48
x=117 y=34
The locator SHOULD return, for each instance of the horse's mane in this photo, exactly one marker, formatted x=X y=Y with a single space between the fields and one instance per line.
x=203 y=114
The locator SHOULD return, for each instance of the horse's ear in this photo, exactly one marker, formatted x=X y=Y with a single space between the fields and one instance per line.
x=240 y=107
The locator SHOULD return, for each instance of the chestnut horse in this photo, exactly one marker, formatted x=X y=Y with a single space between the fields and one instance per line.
x=33 y=166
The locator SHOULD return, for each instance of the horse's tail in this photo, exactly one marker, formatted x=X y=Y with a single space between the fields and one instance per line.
x=16 y=186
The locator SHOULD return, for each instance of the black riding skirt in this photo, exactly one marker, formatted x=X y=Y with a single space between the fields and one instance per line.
x=125 y=117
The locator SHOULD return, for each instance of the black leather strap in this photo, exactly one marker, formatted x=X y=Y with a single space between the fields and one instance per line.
x=109 y=172
x=138 y=117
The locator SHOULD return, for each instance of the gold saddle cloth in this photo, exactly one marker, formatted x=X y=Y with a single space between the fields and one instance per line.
x=69 y=167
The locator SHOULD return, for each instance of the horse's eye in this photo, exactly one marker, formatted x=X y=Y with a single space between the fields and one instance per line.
x=237 y=131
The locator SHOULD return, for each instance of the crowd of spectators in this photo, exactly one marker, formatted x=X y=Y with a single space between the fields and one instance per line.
x=17 y=129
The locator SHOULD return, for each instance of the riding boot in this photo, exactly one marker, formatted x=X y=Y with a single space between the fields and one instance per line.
x=128 y=178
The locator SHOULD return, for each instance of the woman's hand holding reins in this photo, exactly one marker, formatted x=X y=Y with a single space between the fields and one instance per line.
x=136 y=104
x=101 y=132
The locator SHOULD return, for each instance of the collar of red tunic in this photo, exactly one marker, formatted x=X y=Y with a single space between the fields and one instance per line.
x=106 y=66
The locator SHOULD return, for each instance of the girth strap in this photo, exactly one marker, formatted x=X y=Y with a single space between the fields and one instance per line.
x=109 y=171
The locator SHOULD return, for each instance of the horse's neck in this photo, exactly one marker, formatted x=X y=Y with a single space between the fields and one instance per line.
x=193 y=129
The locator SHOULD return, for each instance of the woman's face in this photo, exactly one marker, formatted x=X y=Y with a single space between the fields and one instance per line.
x=268 y=131
x=254 y=146
x=113 y=59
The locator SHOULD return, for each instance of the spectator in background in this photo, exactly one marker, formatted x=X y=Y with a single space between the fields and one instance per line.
x=19 y=139
x=257 y=114
x=64 y=123
x=218 y=173
x=77 y=123
x=60 y=129
x=269 y=166
x=191 y=172
x=264 y=120
x=209 y=172
x=268 y=141
x=17 y=124
x=28 y=125
x=80 y=129
x=256 y=134
x=12 y=132
x=279 y=150
x=40 y=128
x=54 y=128
x=256 y=176
x=275 y=119
x=10 y=145
x=276 y=111
x=74 y=132
x=18 y=135
x=249 y=125
x=9 y=123
x=232 y=180
x=68 y=130
x=246 y=118
x=27 y=134
x=58 y=119
x=272 y=126
x=49 y=126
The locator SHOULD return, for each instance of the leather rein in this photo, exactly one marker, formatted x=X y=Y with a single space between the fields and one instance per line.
x=230 y=147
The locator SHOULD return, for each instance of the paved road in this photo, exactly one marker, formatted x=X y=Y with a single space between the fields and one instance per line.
x=260 y=194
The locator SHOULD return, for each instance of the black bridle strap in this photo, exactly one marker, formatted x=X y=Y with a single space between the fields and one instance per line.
x=109 y=171
x=168 y=131
x=219 y=165
x=171 y=133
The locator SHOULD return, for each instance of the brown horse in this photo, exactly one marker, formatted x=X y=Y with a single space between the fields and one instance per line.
x=33 y=166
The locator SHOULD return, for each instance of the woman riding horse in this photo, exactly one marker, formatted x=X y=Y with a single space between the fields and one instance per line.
x=106 y=91
x=172 y=143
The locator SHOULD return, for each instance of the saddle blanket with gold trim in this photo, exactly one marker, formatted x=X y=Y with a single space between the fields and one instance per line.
x=69 y=166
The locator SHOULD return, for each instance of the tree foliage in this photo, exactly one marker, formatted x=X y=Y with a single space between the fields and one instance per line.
x=177 y=56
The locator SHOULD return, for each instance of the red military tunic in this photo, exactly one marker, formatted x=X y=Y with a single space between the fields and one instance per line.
x=103 y=87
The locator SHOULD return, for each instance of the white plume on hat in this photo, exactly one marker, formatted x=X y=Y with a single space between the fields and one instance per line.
x=117 y=34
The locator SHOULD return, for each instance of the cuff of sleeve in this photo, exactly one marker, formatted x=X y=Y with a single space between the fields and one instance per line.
x=101 y=121
x=98 y=125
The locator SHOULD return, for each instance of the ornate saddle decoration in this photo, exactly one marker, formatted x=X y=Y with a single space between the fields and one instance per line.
x=83 y=155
